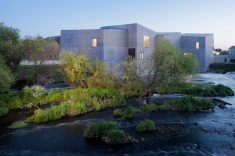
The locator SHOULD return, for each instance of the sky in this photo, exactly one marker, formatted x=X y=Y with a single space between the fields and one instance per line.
x=48 y=17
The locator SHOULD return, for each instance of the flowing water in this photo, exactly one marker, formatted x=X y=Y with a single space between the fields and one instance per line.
x=201 y=133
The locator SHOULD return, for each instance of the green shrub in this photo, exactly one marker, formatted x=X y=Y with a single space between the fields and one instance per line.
x=116 y=137
x=97 y=130
x=117 y=112
x=146 y=126
x=221 y=67
x=3 y=111
x=53 y=113
x=35 y=91
x=163 y=107
x=189 y=103
x=18 y=124
x=128 y=113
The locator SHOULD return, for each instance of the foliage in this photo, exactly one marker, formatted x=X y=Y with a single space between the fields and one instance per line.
x=146 y=126
x=18 y=124
x=102 y=78
x=3 y=111
x=117 y=112
x=97 y=130
x=54 y=113
x=196 y=89
x=35 y=91
x=128 y=113
x=190 y=103
x=116 y=137
x=221 y=67
x=168 y=64
x=163 y=107
x=132 y=84
x=78 y=108
x=76 y=67
x=9 y=46
x=7 y=78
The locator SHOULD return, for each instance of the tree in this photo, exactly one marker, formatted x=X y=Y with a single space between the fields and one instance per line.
x=6 y=78
x=102 y=78
x=168 y=65
x=10 y=46
x=77 y=68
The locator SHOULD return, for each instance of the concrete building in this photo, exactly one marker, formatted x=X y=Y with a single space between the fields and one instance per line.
x=112 y=44
x=231 y=53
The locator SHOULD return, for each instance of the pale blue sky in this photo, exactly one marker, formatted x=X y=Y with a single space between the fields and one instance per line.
x=48 y=17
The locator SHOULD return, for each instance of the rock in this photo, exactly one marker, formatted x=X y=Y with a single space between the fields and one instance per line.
x=220 y=103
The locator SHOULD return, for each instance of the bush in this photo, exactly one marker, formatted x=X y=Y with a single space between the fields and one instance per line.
x=117 y=112
x=116 y=137
x=18 y=124
x=35 y=91
x=163 y=107
x=146 y=126
x=54 y=113
x=128 y=113
x=190 y=103
x=3 y=111
x=221 y=67
x=97 y=130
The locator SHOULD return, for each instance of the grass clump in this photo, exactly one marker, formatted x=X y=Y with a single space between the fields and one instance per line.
x=128 y=113
x=54 y=113
x=78 y=108
x=190 y=103
x=116 y=137
x=3 y=111
x=18 y=124
x=118 y=112
x=146 y=126
x=97 y=130
x=149 y=108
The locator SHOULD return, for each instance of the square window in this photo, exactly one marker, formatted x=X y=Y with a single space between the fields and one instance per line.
x=141 y=55
x=94 y=42
x=197 y=45
x=146 y=41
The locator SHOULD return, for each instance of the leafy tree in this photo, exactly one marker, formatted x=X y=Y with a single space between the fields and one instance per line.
x=168 y=64
x=10 y=46
x=6 y=78
x=77 y=68
x=102 y=77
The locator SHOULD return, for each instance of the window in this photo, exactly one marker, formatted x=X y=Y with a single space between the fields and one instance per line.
x=141 y=55
x=94 y=42
x=197 y=45
x=185 y=54
x=146 y=41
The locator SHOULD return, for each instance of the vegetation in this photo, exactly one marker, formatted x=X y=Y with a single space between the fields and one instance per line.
x=128 y=113
x=117 y=112
x=146 y=126
x=196 y=89
x=77 y=68
x=3 y=111
x=148 y=108
x=116 y=137
x=18 y=124
x=221 y=67
x=190 y=103
x=7 y=78
x=98 y=130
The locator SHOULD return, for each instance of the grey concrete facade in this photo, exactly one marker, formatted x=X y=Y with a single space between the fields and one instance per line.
x=115 y=43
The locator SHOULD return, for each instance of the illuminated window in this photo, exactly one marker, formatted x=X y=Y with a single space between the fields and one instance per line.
x=141 y=55
x=94 y=42
x=197 y=45
x=146 y=41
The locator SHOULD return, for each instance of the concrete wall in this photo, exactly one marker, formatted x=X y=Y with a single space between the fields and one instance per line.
x=173 y=38
x=204 y=54
x=220 y=58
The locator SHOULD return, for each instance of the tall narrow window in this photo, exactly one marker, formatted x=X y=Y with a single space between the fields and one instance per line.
x=146 y=41
x=197 y=45
x=94 y=42
x=141 y=55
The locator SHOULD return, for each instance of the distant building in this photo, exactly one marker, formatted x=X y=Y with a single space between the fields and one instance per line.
x=231 y=53
x=112 y=44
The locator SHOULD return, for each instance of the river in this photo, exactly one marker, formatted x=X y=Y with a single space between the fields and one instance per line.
x=199 y=133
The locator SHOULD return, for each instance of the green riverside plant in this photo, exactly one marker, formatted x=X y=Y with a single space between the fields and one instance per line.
x=146 y=126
